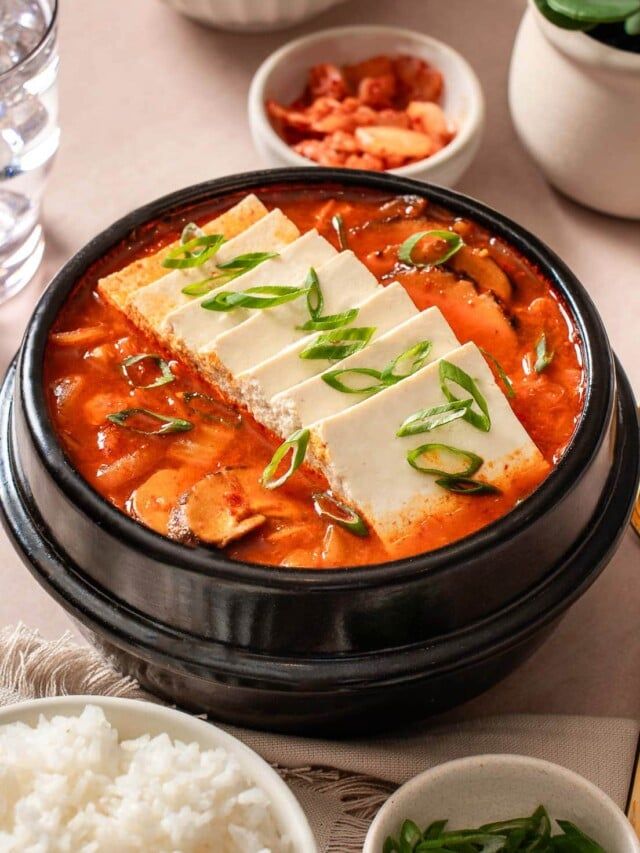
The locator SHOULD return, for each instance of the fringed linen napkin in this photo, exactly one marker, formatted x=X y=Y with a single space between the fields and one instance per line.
x=342 y=784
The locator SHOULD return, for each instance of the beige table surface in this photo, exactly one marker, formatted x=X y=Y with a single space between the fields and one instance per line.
x=151 y=102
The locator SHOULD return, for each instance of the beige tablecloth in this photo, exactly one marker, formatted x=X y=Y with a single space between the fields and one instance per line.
x=151 y=102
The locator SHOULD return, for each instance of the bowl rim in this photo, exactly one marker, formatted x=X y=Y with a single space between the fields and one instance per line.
x=587 y=438
x=167 y=717
x=465 y=136
x=495 y=761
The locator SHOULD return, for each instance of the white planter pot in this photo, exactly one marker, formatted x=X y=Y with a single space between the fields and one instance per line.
x=575 y=104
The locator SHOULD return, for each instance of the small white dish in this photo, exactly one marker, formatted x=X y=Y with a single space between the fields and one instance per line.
x=133 y=718
x=282 y=77
x=251 y=16
x=483 y=788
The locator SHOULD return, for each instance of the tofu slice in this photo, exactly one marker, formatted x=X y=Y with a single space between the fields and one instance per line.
x=344 y=281
x=118 y=287
x=189 y=328
x=365 y=462
x=388 y=307
x=313 y=400
x=149 y=306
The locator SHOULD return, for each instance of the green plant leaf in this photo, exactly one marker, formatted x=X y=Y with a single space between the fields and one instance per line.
x=632 y=25
x=558 y=20
x=595 y=11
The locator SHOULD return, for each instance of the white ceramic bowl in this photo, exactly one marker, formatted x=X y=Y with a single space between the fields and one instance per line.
x=133 y=718
x=282 y=77
x=251 y=16
x=476 y=790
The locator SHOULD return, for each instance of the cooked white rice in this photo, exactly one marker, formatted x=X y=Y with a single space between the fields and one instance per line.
x=69 y=786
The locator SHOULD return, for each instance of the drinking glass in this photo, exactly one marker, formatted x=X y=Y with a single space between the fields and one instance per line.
x=29 y=133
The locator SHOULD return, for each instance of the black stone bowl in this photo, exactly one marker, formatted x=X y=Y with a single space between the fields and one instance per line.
x=301 y=650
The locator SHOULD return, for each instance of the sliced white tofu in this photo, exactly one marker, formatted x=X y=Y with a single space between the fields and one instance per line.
x=344 y=281
x=366 y=462
x=189 y=328
x=151 y=304
x=314 y=399
x=386 y=308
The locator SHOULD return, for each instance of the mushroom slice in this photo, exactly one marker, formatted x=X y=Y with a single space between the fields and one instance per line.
x=486 y=273
x=215 y=510
x=153 y=501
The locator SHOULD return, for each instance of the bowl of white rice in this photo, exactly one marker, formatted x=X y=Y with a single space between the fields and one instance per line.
x=93 y=774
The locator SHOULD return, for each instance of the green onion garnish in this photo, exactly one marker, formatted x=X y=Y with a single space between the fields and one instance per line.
x=211 y=409
x=297 y=444
x=164 y=378
x=194 y=252
x=190 y=230
x=426 y=420
x=327 y=506
x=417 y=355
x=466 y=486
x=337 y=223
x=335 y=379
x=169 y=424
x=230 y=270
x=315 y=299
x=339 y=343
x=454 y=243
x=258 y=298
x=506 y=380
x=330 y=321
x=450 y=373
x=437 y=450
x=543 y=356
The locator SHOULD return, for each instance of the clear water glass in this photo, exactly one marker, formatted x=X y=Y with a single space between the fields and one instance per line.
x=29 y=133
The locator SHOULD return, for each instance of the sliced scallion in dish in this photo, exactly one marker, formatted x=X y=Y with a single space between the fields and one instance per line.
x=429 y=419
x=228 y=271
x=454 y=244
x=210 y=409
x=337 y=379
x=337 y=223
x=327 y=506
x=168 y=424
x=315 y=299
x=256 y=298
x=329 y=321
x=504 y=376
x=467 y=486
x=165 y=376
x=437 y=454
x=296 y=444
x=416 y=356
x=194 y=252
x=339 y=343
x=451 y=373
x=543 y=356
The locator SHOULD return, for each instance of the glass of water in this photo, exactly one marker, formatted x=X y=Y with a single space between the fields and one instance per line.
x=29 y=133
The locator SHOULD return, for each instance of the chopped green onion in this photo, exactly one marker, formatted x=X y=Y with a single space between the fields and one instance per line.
x=333 y=379
x=418 y=354
x=259 y=298
x=190 y=230
x=543 y=356
x=327 y=506
x=231 y=269
x=169 y=424
x=164 y=378
x=473 y=461
x=339 y=343
x=211 y=409
x=451 y=373
x=297 y=444
x=426 y=420
x=508 y=384
x=337 y=223
x=466 y=486
x=187 y=254
x=315 y=299
x=454 y=242
x=330 y=321
x=410 y=834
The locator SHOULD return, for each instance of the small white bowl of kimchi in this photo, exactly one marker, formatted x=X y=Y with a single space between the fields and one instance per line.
x=368 y=97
